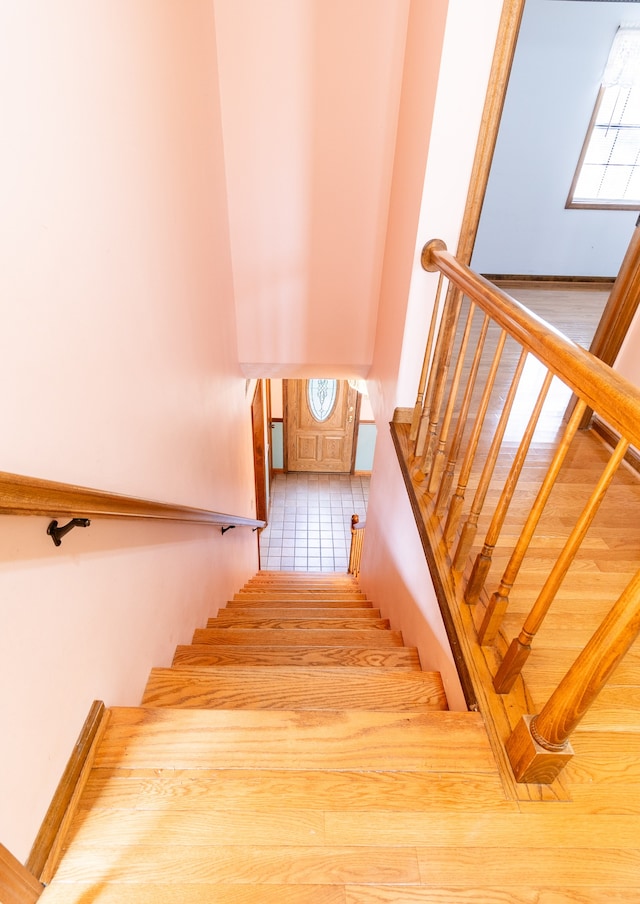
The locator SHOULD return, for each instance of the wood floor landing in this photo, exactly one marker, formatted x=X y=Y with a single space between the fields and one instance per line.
x=303 y=783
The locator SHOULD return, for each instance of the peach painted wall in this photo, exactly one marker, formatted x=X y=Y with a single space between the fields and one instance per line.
x=628 y=360
x=395 y=573
x=118 y=367
x=420 y=80
x=469 y=36
x=449 y=51
x=309 y=127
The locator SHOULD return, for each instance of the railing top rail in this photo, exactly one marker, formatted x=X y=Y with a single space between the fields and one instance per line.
x=613 y=397
x=21 y=495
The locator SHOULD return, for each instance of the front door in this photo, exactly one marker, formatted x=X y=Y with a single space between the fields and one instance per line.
x=320 y=419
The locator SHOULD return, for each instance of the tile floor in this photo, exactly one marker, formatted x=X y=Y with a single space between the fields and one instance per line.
x=309 y=525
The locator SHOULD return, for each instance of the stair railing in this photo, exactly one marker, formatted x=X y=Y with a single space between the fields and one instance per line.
x=452 y=447
x=21 y=495
x=357 y=539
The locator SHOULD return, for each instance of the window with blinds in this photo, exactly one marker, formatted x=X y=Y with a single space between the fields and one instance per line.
x=608 y=171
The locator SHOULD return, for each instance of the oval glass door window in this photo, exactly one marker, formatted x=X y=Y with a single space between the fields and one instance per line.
x=321 y=396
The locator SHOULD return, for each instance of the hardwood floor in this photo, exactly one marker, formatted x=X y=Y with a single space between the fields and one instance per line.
x=337 y=778
x=574 y=309
x=361 y=790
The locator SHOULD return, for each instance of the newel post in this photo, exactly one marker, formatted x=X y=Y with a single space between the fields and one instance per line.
x=539 y=747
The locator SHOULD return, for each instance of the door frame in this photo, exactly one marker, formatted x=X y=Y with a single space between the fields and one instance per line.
x=625 y=295
x=259 y=458
x=624 y=298
x=269 y=436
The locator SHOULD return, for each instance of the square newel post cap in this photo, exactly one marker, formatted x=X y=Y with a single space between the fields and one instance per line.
x=531 y=762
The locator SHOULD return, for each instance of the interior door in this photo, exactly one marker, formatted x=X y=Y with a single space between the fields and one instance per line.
x=320 y=419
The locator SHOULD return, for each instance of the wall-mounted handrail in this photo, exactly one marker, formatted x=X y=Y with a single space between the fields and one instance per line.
x=21 y=495
x=539 y=747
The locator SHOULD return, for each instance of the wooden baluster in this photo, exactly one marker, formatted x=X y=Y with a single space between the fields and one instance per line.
x=499 y=601
x=355 y=551
x=447 y=477
x=539 y=747
x=18 y=885
x=455 y=506
x=520 y=648
x=482 y=563
x=438 y=457
x=446 y=338
x=417 y=410
x=443 y=339
x=470 y=527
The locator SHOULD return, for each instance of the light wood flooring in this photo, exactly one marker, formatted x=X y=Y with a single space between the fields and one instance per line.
x=338 y=780
x=264 y=769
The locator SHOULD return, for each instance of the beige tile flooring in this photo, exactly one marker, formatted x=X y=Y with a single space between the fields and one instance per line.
x=309 y=526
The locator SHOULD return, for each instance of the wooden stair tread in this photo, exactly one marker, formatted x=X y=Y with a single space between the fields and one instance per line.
x=339 y=583
x=297 y=602
x=285 y=611
x=303 y=577
x=254 y=688
x=294 y=706
x=357 y=791
x=209 y=654
x=231 y=618
x=138 y=737
x=334 y=584
x=297 y=636
x=301 y=594
x=186 y=892
x=309 y=588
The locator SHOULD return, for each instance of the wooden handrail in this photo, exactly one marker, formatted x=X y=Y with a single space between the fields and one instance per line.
x=614 y=398
x=21 y=495
x=539 y=747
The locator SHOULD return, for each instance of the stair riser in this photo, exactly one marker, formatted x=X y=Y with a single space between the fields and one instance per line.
x=287 y=595
x=305 y=612
x=342 y=584
x=251 y=602
x=278 y=624
x=297 y=637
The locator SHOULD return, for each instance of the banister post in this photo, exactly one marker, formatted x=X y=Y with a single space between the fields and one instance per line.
x=355 y=552
x=539 y=747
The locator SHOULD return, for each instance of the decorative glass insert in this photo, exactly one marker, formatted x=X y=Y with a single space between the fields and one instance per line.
x=321 y=395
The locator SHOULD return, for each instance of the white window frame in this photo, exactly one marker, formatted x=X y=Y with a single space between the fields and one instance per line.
x=621 y=76
x=596 y=124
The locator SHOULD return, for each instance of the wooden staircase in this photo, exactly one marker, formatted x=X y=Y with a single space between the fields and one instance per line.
x=266 y=764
